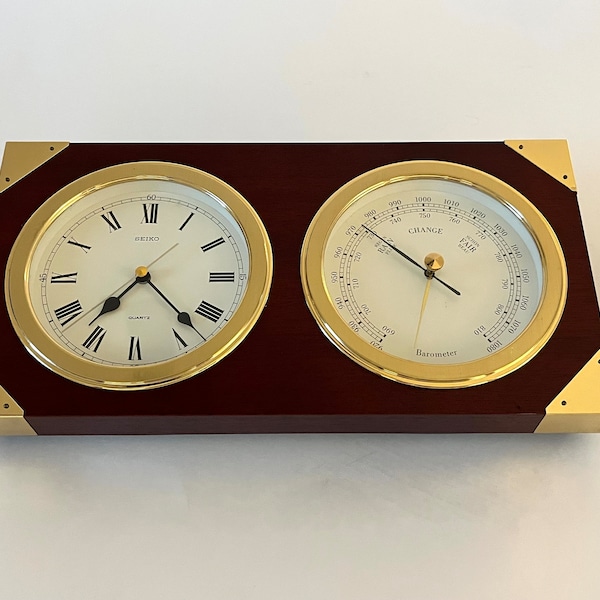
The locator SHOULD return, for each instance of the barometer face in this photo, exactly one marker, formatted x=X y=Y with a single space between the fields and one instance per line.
x=433 y=274
x=138 y=276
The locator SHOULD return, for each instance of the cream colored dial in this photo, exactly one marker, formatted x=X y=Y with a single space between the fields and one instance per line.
x=433 y=274
x=138 y=275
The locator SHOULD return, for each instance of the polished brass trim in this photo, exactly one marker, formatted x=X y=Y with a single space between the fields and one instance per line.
x=22 y=158
x=552 y=156
x=577 y=408
x=459 y=375
x=60 y=360
x=12 y=417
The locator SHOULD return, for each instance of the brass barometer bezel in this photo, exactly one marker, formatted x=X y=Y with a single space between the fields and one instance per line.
x=440 y=376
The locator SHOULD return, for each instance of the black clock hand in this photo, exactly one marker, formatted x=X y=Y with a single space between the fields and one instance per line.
x=113 y=302
x=411 y=260
x=182 y=317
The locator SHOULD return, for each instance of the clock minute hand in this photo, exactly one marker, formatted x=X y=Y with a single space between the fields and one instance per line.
x=411 y=260
x=182 y=317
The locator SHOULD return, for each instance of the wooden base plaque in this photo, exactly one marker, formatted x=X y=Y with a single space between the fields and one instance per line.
x=285 y=376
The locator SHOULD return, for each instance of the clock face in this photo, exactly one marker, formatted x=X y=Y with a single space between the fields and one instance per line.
x=138 y=275
x=434 y=274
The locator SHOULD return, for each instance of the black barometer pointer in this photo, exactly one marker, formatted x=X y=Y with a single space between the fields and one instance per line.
x=413 y=261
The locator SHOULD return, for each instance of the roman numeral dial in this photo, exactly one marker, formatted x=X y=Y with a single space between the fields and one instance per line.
x=151 y=308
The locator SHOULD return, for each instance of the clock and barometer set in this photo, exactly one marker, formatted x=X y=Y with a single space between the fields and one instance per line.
x=374 y=287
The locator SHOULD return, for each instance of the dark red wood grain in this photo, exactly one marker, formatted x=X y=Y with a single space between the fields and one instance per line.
x=286 y=377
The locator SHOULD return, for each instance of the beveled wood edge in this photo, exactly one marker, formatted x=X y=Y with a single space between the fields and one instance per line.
x=284 y=424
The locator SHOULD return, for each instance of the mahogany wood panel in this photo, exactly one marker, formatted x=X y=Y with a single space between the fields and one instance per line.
x=286 y=377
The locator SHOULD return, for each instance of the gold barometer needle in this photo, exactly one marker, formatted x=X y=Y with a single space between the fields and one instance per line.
x=433 y=263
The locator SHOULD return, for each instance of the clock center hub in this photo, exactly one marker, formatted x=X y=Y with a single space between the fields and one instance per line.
x=141 y=272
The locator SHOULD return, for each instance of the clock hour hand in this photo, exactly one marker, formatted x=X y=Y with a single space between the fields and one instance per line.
x=113 y=302
x=411 y=260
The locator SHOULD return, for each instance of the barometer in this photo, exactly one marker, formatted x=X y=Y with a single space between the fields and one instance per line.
x=434 y=274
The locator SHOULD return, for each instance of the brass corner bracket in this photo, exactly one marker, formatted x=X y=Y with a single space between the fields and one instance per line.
x=12 y=417
x=577 y=408
x=21 y=158
x=552 y=156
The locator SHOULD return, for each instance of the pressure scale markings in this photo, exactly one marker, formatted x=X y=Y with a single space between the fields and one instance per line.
x=370 y=258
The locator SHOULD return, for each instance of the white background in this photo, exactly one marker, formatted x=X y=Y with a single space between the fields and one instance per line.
x=304 y=517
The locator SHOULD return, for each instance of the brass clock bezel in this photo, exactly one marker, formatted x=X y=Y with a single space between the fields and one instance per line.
x=445 y=376
x=60 y=360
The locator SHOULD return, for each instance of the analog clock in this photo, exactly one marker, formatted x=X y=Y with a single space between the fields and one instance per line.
x=434 y=274
x=138 y=275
